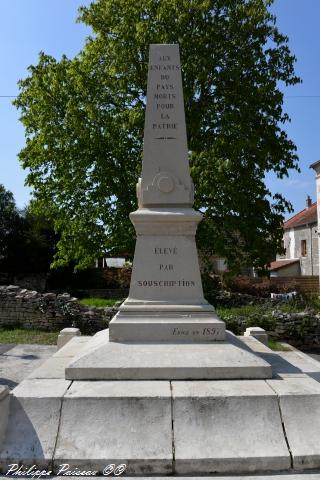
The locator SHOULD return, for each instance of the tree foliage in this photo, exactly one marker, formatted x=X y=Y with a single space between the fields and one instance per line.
x=9 y=222
x=27 y=240
x=84 y=118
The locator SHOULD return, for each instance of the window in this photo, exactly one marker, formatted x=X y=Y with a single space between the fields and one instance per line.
x=303 y=248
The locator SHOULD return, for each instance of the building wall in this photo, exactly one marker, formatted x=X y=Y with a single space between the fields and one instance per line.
x=309 y=264
x=291 y=270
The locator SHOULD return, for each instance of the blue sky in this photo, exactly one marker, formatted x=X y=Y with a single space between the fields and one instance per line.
x=28 y=26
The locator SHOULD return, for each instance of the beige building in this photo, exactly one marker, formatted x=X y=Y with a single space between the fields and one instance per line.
x=300 y=240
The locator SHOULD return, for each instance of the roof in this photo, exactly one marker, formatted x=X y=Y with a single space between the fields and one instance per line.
x=314 y=164
x=305 y=217
x=276 y=265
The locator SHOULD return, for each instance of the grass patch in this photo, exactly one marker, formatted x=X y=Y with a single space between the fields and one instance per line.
x=290 y=307
x=99 y=302
x=277 y=346
x=238 y=311
x=22 y=335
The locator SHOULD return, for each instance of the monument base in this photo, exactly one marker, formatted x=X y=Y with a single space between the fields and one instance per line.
x=168 y=327
x=101 y=359
x=223 y=427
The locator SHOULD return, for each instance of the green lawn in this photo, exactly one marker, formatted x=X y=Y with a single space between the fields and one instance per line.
x=22 y=335
x=99 y=302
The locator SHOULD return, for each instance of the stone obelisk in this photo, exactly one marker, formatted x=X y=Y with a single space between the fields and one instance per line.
x=166 y=301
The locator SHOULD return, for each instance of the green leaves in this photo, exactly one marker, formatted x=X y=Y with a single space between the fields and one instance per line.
x=84 y=125
x=9 y=221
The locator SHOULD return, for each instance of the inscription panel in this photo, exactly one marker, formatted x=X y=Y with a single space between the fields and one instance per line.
x=170 y=269
x=208 y=333
x=172 y=253
x=165 y=139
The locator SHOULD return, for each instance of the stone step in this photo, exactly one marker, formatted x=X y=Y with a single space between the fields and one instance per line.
x=156 y=427
x=104 y=360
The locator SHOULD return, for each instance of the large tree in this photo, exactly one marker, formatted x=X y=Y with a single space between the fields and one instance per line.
x=84 y=125
x=27 y=241
x=9 y=224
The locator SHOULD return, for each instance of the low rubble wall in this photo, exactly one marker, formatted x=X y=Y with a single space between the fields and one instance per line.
x=49 y=311
x=52 y=312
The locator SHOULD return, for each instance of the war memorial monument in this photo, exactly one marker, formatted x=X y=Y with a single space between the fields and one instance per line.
x=165 y=390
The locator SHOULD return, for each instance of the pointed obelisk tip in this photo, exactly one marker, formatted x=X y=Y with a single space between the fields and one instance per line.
x=165 y=173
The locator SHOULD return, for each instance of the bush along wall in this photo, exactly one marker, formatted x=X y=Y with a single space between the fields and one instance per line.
x=295 y=323
x=49 y=311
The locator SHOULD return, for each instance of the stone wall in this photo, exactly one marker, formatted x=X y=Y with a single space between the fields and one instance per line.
x=52 y=312
x=49 y=311
x=116 y=293
x=299 y=328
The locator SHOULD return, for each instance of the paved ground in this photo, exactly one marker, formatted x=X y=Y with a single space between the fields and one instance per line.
x=18 y=361
x=316 y=356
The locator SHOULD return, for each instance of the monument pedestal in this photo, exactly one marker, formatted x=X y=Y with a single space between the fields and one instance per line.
x=166 y=302
x=166 y=327
x=101 y=359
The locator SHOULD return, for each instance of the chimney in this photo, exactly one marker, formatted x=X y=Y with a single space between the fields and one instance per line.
x=309 y=202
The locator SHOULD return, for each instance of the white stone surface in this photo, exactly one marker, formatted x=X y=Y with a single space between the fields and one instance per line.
x=52 y=368
x=300 y=408
x=257 y=332
x=166 y=272
x=71 y=348
x=227 y=426
x=302 y=362
x=4 y=391
x=254 y=344
x=165 y=276
x=165 y=181
x=291 y=364
x=18 y=362
x=104 y=360
x=66 y=335
x=190 y=327
x=4 y=410
x=117 y=422
x=33 y=423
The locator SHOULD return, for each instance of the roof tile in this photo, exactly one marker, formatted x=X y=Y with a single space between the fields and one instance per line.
x=306 y=216
x=277 y=264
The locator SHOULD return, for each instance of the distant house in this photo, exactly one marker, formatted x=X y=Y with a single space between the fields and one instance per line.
x=300 y=241
x=104 y=262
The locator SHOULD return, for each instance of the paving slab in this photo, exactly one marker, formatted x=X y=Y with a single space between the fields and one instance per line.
x=116 y=422
x=300 y=410
x=5 y=347
x=4 y=410
x=33 y=423
x=293 y=363
x=227 y=427
x=104 y=360
x=17 y=362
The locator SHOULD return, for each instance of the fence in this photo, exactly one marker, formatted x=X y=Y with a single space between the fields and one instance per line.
x=306 y=284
